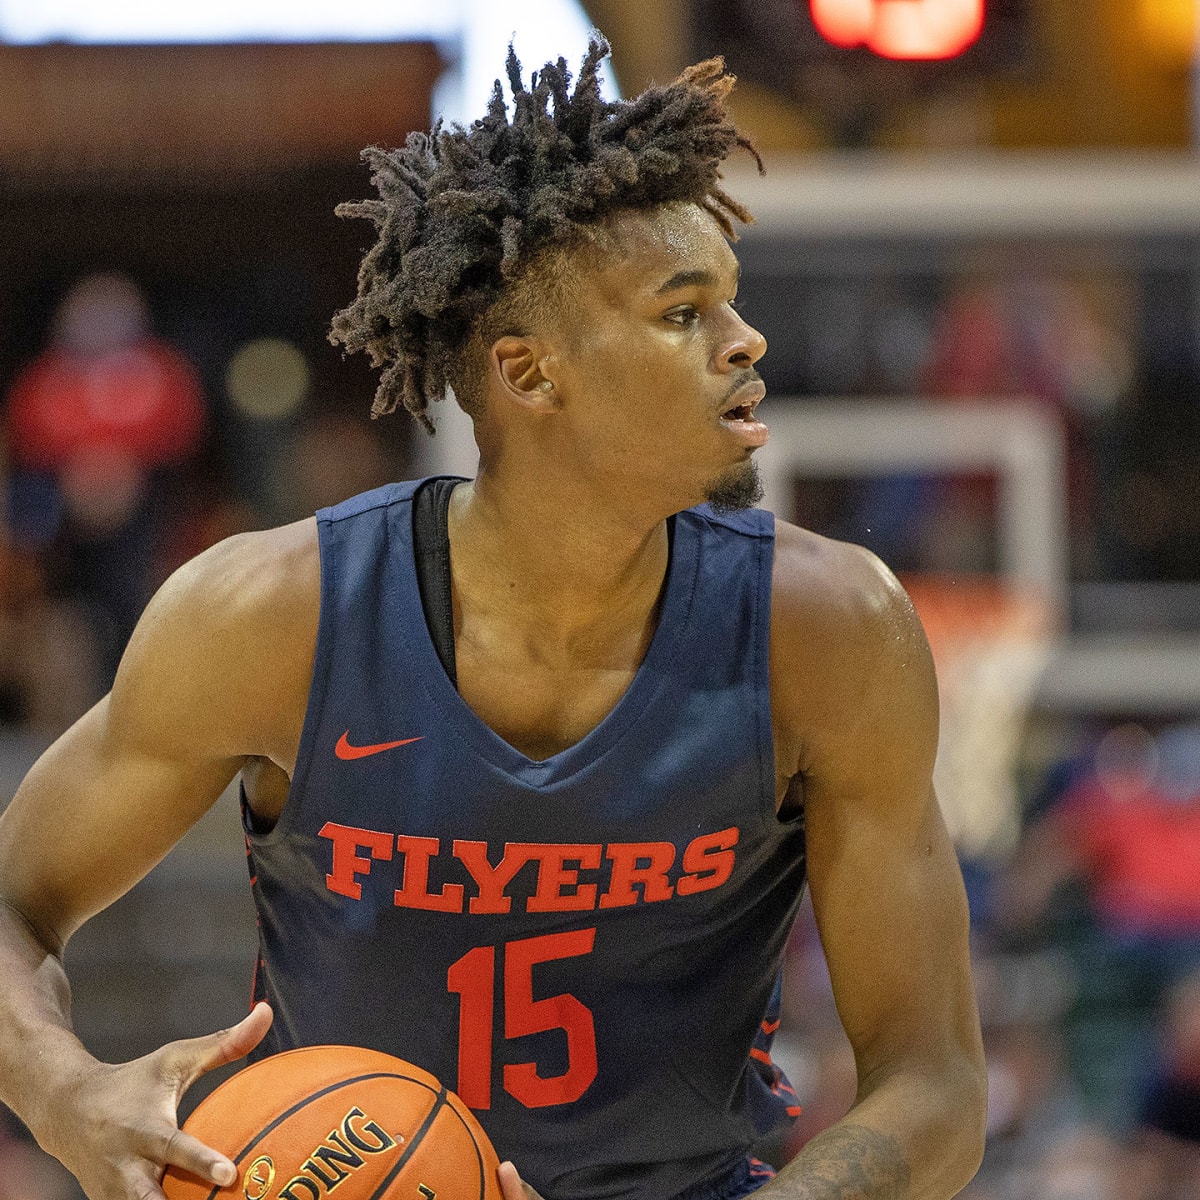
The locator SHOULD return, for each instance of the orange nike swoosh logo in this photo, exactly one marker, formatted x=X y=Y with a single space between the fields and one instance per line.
x=343 y=749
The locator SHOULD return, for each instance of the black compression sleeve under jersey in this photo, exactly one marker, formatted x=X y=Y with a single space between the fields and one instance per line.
x=431 y=546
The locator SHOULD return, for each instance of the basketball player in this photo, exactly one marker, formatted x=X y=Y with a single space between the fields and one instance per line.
x=536 y=766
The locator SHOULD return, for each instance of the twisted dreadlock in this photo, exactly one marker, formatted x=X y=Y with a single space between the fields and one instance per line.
x=464 y=215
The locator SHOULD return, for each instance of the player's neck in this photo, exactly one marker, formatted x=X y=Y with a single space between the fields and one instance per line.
x=564 y=559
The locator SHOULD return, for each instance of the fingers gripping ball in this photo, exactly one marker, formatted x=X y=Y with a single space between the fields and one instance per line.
x=343 y=1122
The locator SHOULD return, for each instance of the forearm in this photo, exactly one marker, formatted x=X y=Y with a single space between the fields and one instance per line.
x=910 y=1137
x=39 y=1053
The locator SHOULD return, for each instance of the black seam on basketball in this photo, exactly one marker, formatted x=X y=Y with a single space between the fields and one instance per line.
x=333 y=1087
x=413 y=1143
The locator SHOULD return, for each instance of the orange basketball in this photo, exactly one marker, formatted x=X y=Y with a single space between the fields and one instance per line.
x=303 y=1123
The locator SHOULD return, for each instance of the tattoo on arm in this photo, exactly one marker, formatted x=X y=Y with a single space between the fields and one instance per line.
x=852 y=1161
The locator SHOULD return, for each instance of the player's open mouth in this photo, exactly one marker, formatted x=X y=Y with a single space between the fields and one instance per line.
x=740 y=416
x=743 y=412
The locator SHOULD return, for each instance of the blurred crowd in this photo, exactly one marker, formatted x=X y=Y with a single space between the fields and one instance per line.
x=1110 y=352
x=122 y=459
x=1086 y=946
x=118 y=468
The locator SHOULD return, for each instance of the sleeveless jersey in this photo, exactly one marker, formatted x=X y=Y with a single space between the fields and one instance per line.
x=584 y=948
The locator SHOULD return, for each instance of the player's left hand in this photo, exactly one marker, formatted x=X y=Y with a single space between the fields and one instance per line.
x=513 y=1186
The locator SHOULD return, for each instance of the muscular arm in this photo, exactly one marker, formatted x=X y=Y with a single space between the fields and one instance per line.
x=854 y=691
x=215 y=675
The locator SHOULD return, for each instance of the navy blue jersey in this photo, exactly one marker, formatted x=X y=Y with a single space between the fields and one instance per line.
x=584 y=948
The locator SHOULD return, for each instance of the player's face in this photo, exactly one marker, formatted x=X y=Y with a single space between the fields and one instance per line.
x=656 y=368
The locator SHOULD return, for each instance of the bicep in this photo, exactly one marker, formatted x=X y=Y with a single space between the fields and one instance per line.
x=886 y=888
x=96 y=813
x=892 y=917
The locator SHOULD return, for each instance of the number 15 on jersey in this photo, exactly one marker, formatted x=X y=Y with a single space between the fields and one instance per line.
x=473 y=979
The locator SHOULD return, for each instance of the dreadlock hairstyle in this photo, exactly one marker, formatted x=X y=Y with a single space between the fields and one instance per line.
x=465 y=213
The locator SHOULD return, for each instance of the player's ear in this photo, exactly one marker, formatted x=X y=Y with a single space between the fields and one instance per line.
x=524 y=371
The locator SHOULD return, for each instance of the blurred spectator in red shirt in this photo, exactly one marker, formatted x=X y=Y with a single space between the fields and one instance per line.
x=1131 y=830
x=1127 y=836
x=105 y=403
x=93 y=424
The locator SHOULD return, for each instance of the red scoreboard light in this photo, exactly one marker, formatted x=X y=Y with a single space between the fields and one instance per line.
x=901 y=29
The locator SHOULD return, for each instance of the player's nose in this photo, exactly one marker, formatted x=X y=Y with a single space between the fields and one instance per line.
x=743 y=347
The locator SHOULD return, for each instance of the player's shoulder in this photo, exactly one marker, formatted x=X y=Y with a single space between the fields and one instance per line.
x=264 y=568
x=221 y=659
x=838 y=580
x=837 y=603
x=260 y=588
x=843 y=632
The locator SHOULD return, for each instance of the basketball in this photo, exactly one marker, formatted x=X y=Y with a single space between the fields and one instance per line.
x=303 y=1123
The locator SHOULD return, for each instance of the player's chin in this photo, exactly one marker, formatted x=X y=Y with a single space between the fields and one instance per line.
x=736 y=488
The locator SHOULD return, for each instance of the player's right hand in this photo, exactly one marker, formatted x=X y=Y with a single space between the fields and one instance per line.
x=117 y=1130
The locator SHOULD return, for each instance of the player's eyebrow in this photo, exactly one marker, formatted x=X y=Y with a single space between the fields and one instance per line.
x=694 y=278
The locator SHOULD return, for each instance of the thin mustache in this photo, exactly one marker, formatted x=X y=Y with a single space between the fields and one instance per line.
x=747 y=377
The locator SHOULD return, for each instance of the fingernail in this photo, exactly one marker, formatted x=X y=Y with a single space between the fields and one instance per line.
x=223 y=1174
